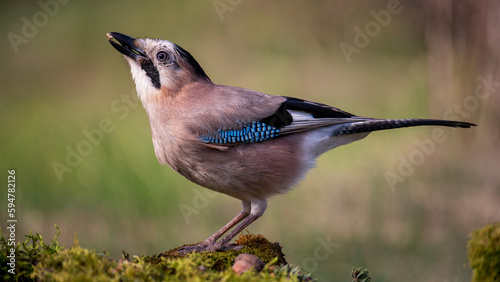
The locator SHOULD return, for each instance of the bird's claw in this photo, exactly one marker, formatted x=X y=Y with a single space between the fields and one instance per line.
x=207 y=248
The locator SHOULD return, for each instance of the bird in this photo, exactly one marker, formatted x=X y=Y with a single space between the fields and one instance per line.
x=243 y=143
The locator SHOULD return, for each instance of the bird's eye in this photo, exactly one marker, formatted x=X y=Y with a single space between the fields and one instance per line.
x=163 y=56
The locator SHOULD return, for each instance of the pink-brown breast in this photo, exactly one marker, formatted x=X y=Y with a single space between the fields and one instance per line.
x=244 y=171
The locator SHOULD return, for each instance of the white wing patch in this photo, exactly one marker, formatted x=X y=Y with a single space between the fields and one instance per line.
x=303 y=121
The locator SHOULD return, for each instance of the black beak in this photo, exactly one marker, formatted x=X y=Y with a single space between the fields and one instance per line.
x=125 y=45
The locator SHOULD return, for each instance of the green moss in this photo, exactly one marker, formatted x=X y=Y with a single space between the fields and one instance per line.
x=484 y=253
x=258 y=245
x=252 y=244
x=360 y=275
x=28 y=254
x=79 y=264
x=36 y=260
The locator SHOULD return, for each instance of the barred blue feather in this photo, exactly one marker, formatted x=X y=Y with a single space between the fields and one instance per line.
x=256 y=132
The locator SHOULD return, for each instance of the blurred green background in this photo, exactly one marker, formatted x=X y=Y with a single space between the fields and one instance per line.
x=60 y=78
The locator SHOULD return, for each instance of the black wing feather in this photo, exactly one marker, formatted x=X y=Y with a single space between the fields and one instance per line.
x=317 y=110
x=280 y=118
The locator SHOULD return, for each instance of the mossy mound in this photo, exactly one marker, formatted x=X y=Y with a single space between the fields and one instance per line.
x=36 y=260
x=252 y=244
x=484 y=253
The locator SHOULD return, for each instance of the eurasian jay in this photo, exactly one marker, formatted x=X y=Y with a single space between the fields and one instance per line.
x=243 y=143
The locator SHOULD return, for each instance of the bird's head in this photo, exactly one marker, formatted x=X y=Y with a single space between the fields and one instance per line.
x=159 y=67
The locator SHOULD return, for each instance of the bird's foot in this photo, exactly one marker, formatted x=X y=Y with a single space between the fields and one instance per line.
x=190 y=249
x=203 y=247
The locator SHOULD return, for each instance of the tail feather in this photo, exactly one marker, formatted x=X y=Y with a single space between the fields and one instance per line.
x=382 y=124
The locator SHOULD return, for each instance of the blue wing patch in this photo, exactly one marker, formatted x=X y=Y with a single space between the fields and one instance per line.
x=255 y=132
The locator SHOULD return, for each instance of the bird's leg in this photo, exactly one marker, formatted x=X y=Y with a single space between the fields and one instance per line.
x=257 y=210
x=224 y=241
x=210 y=241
